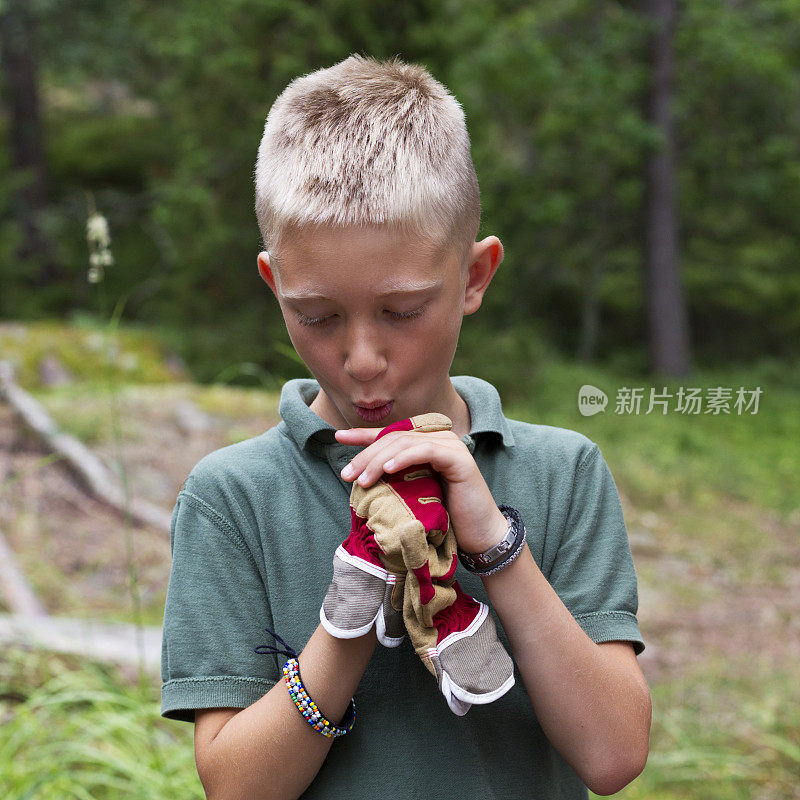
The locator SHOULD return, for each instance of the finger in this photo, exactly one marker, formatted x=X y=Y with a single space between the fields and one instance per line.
x=399 y=454
x=356 y=435
x=450 y=458
x=370 y=455
x=417 y=454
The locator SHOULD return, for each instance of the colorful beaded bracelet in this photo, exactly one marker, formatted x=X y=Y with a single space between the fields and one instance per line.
x=305 y=705
x=308 y=708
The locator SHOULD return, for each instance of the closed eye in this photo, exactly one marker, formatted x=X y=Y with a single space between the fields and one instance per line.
x=310 y=322
x=417 y=312
x=322 y=321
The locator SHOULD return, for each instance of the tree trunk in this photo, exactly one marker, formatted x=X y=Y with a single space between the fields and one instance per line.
x=667 y=322
x=18 y=65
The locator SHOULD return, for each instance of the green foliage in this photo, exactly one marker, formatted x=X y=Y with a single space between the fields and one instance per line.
x=562 y=150
x=513 y=359
x=84 y=350
x=556 y=100
x=693 y=458
x=76 y=729
x=739 y=177
x=98 y=151
x=249 y=350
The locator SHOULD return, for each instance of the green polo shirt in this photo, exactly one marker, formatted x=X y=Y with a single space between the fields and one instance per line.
x=254 y=530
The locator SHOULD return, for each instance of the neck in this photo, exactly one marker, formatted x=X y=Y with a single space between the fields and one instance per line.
x=458 y=413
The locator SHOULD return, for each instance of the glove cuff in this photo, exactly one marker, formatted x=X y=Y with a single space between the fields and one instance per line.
x=425 y=423
x=359 y=597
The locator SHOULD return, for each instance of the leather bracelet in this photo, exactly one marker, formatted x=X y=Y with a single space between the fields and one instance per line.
x=505 y=562
x=502 y=554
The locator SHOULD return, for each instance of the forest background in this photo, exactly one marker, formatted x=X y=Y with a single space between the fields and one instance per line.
x=639 y=161
x=157 y=109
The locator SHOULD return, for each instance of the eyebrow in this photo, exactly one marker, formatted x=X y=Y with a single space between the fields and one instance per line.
x=410 y=290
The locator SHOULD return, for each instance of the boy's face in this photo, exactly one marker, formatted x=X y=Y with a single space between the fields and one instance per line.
x=384 y=320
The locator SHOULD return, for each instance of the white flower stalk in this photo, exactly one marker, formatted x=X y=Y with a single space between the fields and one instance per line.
x=97 y=231
x=99 y=239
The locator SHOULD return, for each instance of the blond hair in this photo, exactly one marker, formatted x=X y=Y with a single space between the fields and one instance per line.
x=368 y=142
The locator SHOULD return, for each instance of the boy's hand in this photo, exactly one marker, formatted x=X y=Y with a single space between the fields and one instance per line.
x=477 y=521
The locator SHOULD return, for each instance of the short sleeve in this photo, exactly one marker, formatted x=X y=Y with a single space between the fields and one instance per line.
x=215 y=614
x=593 y=571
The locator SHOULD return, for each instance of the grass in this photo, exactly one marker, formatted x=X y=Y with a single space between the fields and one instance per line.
x=76 y=729
x=724 y=736
x=79 y=410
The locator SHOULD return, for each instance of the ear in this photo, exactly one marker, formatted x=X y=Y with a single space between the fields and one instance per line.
x=484 y=259
x=265 y=270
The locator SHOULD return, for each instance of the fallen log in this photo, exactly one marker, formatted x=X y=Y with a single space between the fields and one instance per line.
x=87 y=467
x=14 y=587
x=104 y=641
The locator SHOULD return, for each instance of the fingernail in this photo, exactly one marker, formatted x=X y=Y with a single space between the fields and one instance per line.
x=348 y=472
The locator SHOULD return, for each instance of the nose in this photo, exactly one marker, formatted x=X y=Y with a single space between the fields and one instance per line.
x=365 y=359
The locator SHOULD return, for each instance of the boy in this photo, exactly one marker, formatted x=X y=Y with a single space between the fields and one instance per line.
x=368 y=204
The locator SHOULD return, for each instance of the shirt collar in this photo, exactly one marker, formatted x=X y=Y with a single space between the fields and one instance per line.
x=311 y=432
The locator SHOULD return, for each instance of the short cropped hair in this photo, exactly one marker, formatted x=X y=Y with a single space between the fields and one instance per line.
x=368 y=142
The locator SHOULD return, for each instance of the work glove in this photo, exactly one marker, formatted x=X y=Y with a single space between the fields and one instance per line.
x=369 y=566
x=460 y=647
x=361 y=592
x=453 y=634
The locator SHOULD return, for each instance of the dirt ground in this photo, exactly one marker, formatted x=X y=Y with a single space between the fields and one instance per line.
x=74 y=549
x=696 y=607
